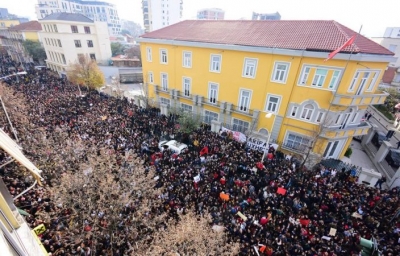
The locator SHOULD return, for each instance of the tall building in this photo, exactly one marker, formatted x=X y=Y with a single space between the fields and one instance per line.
x=266 y=16
x=391 y=41
x=237 y=82
x=3 y=13
x=66 y=36
x=211 y=14
x=161 y=13
x=94 y=10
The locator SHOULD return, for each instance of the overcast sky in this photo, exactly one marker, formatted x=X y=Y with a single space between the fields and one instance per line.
x=374 y=15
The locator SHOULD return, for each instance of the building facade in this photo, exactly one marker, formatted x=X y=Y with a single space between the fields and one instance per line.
x=391 y=41
x=94 y=10
x=266 y=16
x=211 y=14
x=66 y=36
x=17 y=34
x=161 y=13
x=236 y=82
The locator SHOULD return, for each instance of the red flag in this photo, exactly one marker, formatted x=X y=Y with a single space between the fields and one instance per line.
x=348 y=42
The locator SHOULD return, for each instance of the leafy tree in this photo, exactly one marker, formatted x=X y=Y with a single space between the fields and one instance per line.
x=124 y=32
x=86 y=72
x=35 y=49
x=117 y=48
x=188 y=121
x=392 y=99
x=134 y=52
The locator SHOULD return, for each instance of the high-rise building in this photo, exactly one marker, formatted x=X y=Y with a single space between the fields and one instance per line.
x=266 y=16
x=211 y=14
x=94 y=10
x=161 y=13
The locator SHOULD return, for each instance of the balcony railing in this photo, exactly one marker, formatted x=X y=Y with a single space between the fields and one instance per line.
x=349 y=130
x=357 y=100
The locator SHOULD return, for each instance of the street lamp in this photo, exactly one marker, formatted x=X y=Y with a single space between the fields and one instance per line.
x=269 y=115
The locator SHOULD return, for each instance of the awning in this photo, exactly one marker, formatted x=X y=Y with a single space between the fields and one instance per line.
x=14 y=150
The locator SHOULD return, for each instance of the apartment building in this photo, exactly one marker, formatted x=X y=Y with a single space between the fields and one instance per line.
x=235 y=81
x=66 y=36
x=391 y=41
x=161 y=13
x=211 y=14
x=266 y=16
x=94 y=10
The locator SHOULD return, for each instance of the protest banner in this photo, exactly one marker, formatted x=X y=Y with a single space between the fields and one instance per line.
x=238 y=136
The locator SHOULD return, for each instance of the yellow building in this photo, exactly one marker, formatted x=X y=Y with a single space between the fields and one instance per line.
x=234 y=73
x=15 y=35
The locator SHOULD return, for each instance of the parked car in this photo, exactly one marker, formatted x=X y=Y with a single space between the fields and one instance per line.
x=393 y=158
x=173 y=145
x=378 y=138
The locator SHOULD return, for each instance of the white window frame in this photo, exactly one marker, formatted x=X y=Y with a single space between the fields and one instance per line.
x=186 y=105
x=339 y=118
x=320 y=117
x=242 y=131
x=207 y=117
x=186 y=60
x=249 y=67
x=210 y=84
x=372 y=82
x=304 y=75
x=355 y=118
x=318 y=78
x=243 y=106
x=294 y=110
x=333 y=84
x=164 y=82
x=184 y=85
x=285 y=75
x=166 y=101
x=212 y=68
x=302 y=146
x=162 y=51
x=307 y=111
x=151 y=77
x=354 y=81
x=149 y=56
x=276 y=105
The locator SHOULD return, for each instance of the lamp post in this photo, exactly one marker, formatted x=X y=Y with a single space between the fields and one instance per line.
x=269 y=115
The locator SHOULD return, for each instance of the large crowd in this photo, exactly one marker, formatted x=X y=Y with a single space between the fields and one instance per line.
x=297 y=221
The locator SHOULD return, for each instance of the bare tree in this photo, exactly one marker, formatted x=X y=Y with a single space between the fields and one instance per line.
x=109 y=200
x=191 y=235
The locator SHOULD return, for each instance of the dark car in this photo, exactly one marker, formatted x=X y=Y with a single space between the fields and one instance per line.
x=378 y=138
x=393 y=158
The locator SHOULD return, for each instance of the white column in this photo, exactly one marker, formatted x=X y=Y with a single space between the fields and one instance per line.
x=383 y=151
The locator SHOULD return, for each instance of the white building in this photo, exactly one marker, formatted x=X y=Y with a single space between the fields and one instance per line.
x=95 y=10
x=266 y=16
x=211 y=14
x=161 y=13
x=66 y=36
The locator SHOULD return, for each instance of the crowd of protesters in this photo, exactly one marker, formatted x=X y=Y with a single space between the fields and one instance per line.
x=316 y=212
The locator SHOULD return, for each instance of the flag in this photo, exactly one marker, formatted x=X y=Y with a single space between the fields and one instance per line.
x=348 y=42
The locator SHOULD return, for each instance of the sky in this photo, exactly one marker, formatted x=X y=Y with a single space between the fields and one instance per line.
x=373 y=15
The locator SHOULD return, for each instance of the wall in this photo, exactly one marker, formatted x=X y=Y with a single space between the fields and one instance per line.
x=386 y=42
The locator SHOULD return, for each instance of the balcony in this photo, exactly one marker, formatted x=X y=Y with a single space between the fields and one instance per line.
x=348 y=131
x=359 y=100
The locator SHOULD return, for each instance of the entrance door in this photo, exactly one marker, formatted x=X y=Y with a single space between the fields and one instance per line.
x=332 y=149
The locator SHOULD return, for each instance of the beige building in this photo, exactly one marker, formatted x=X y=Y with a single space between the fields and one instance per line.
x=66 y=36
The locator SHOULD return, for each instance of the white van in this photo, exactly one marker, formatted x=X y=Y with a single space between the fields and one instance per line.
x=174 y=145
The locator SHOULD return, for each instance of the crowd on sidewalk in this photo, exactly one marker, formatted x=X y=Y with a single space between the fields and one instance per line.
x=271 y=208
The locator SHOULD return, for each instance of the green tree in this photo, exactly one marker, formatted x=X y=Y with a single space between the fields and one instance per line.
x=117 y=48
x=86 y=72
x=188 y=121
x=34 y=49
x=392 y=99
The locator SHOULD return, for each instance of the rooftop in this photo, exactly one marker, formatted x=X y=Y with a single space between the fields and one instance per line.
x=27 y=26
x=309 y=35
x=68 y=17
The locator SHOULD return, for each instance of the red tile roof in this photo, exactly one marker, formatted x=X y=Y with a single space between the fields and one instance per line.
x=312 y=35
x=389 y=74
x=33 y=25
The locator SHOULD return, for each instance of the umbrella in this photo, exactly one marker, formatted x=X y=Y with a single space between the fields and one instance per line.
x=22 y=212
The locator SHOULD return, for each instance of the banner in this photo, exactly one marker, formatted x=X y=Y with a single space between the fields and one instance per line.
x=259 y=144
x=236 y=135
